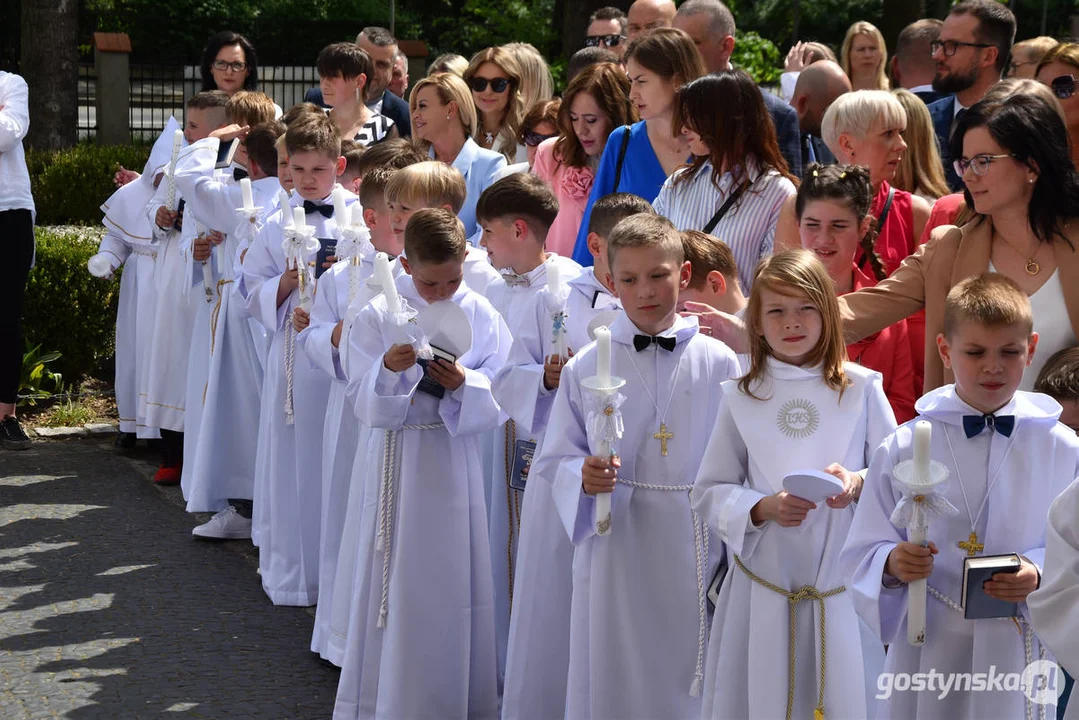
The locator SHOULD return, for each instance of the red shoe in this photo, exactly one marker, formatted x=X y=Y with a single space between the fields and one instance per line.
x=167 y=475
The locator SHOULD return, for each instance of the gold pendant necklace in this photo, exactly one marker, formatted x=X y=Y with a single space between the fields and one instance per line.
x=1032 y=267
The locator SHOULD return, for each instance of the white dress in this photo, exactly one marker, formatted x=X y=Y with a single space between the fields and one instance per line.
x=801 y=424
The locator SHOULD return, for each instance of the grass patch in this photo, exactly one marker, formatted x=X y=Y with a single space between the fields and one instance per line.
x=71 y=413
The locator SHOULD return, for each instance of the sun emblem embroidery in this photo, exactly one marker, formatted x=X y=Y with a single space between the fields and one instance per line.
x=798 y=418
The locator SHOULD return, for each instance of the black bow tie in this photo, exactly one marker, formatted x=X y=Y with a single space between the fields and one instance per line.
x=640 y=342
x=311 y=207
x=238 y=174
x=974 y=424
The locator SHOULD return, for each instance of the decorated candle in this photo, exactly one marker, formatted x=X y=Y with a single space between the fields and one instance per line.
x=385 y=280
x=603 y=356
x=249 y=199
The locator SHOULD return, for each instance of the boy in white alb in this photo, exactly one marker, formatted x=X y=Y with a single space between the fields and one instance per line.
x=411 y=653
x=1007 y=458
x=537 y=655
x=277 y=279
x=655 y=559
x=224 y=371
x=515 y=214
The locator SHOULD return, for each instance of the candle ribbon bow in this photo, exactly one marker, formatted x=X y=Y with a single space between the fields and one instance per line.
x=556 y=306
x=604 y=418
x=914 y=510
x=299 y=243
x=248 y=226
x=353 y=241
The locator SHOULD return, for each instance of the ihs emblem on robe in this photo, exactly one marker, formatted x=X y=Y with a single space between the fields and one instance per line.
x=798 y=418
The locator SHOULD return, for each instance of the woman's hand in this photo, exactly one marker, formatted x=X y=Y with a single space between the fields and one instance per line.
x=852 y=486
x=720 y=325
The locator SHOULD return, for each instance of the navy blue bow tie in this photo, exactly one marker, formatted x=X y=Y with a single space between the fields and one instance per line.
x=311 y=207
x=974 y=424
x=238 y=174
x=640 y=342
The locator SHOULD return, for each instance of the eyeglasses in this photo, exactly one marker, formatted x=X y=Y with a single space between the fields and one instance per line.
x=533 y=138
x=1063 y=87
x=1013 y=67
x=950 y=46
x=233 y=66
x=606 y=40
x=479 y=84
x=979 y=164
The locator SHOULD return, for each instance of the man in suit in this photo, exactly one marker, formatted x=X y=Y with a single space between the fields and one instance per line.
x=711 y=26
x=913 y=67
x=381 y=46
x=970 y=54
x=818 y=86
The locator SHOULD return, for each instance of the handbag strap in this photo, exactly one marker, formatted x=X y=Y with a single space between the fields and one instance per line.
x=880 y=222
x=725 y=207
x=621 y=158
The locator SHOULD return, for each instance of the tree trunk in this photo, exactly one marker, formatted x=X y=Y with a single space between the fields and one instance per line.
x=897 y=14
x=50 y=65
x=575 y=21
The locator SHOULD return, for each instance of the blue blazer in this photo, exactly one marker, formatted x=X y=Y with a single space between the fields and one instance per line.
x=943 y=112
x=929 y=96
x=786 y=121
x=479 y=166
x=393 y=107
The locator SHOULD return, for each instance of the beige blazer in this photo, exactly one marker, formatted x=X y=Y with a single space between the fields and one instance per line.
x=924 y=279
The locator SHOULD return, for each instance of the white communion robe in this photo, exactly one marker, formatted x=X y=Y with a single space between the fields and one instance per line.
x=639 y=609
x=514 y=303
x=224 y=373
x=360 y=484
x=802 y=424
x=537 y=656
x=1054 y=606
x=337 y=288
x=421 y=638
x=1016 y=479
x=288 y=480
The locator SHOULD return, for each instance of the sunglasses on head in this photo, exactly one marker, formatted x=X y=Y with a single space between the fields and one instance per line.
x=479 y=84
x=607 y=40
x=533 y=138
x=1063 y=87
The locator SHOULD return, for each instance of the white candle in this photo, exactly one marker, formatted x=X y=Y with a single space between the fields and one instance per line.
x=923 y=432
x=340 y=207
x=249 y=199
x=917 y=534
x=283 y=203
x=357 y=215
x=299 y=218
x=603 y=356
x=177 y=142
x=554 y=279
x=385 y=279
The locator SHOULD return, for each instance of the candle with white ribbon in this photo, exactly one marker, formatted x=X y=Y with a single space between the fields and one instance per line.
x=917 y=532
x=603 y=373
x=385 y=281
x=170 y=187
x=554 y=279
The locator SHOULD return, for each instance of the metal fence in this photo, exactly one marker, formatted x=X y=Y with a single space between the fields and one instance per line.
x=160 y=91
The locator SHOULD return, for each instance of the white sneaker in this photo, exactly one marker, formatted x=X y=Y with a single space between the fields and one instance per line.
x=225 y=525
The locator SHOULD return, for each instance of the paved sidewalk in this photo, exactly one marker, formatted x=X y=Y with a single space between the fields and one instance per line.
x=108 y=608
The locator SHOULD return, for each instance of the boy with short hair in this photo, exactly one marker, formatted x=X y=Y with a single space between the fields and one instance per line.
x=433 y=184
x=656 y=560
x=714 y=281
x=1059 y=379
x=428 y=535
x=343 y=71
x=352 y=152
x=288 y=497
x=1008 y=457
x=226 y=353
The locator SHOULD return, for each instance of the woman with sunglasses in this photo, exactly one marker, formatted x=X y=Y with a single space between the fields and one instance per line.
x=1058 y=70
x=638 y=159
x=595 y=102
x=539 y=124
x=494 y=77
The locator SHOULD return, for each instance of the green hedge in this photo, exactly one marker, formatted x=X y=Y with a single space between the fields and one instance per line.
x=67 y=309
x=70 y=185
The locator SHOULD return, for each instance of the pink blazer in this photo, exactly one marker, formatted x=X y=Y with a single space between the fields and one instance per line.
x=571 y=187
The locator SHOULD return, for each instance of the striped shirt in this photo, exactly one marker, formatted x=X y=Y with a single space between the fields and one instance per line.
x=749 y=228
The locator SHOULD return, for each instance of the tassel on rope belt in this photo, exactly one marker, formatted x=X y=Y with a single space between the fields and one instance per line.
x=215 y=315
x=290 y=360
x=806 y=592
x=384 y=542
x=700 y=550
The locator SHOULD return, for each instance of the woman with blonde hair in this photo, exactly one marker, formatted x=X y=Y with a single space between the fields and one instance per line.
x=920 y=169
x=1058 y=71
x=495 y=76
x=1026 y=55
x=537 y=84
x=864 y=57
x=449 y=62
x=443 y=124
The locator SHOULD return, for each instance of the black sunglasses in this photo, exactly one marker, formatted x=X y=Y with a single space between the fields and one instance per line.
x=479 y=84
x=608 y=40
x=1063 y=87
x=533 y=138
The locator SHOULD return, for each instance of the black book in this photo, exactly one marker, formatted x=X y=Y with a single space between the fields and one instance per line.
x=976 y=571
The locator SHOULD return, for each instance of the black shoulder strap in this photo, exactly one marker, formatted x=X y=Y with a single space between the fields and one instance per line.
x=880 y=222
x=621 y=159
x=725 y=208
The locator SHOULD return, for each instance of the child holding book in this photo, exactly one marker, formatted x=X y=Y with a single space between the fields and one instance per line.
x=1007 y=458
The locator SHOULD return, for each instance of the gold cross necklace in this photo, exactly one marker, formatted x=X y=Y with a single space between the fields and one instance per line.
x=971 y=545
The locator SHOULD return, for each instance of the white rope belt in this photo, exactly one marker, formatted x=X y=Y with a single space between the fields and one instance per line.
x=700 y=549
x=144 y=251
x=385 y=509
x=1028 y=642
x=290 y=360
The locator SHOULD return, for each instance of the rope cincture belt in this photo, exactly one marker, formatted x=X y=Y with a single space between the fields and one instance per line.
x=513 y=501
x=700 y=549
x=385 y=509
x=806 y=592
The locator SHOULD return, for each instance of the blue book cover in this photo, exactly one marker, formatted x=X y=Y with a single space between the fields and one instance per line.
x=976 y=571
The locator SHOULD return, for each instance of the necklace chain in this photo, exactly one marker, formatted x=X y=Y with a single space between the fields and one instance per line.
x=989 y=488
x=662 y=414
x=1032 y=267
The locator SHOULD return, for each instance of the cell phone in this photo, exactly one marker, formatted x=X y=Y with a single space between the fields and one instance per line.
x=226 y=151
x=327 y=249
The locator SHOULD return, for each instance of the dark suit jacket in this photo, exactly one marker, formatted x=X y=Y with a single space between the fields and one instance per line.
x=943 y=112
x=823 y=155
x=786 y=122
x=929 y=96
x=393 y=107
